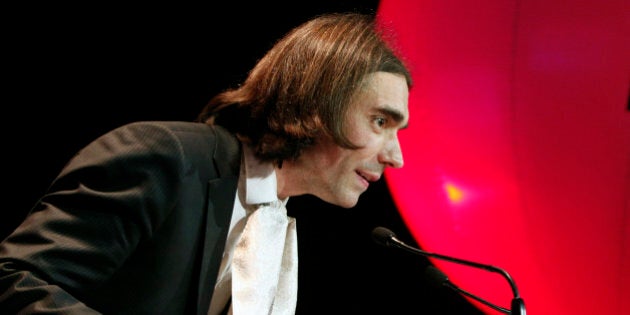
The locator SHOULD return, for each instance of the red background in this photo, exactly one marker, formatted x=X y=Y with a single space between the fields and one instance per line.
x=518 y=148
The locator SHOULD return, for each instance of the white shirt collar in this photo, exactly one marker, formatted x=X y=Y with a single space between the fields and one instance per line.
x=261 y=185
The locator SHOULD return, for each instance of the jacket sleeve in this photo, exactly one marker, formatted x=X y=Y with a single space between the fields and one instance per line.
x=110 y=196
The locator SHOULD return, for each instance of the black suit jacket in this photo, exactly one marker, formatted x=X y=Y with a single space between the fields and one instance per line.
x=135 y=223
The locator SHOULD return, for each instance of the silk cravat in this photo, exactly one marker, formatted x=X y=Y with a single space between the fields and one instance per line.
x=264 y=266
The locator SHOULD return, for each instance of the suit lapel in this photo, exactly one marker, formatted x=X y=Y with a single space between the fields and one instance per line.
x=217 y=225
x=221 y=193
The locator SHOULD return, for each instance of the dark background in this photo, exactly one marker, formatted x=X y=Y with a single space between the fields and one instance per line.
x=73 y=72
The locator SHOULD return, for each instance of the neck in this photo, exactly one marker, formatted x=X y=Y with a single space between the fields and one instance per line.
x=291 y=180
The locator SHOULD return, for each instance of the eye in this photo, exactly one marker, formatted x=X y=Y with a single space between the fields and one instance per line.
x=380 y=121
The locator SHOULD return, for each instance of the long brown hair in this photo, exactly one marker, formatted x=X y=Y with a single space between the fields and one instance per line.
x=300 y=90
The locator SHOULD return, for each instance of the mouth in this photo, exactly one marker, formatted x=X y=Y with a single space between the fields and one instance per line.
x=368 y=176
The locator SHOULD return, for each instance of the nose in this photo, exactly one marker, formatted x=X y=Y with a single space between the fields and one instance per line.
x=391 y=155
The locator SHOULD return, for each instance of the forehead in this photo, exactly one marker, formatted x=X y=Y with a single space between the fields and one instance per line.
x=385 y=92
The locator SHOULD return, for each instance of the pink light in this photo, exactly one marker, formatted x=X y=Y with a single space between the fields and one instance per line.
x=454 y=194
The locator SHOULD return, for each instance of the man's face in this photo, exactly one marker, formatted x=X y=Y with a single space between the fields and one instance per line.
x=338 y=175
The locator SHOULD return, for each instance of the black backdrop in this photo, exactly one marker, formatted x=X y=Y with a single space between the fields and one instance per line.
x=72 y=72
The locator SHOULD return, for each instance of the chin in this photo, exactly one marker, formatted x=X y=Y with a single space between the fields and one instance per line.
x=341 y=200
x=347 y=203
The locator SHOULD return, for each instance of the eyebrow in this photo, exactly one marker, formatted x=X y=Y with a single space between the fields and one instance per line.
x=396 y=115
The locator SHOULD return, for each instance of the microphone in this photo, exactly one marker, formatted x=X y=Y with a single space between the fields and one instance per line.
x=387 y=238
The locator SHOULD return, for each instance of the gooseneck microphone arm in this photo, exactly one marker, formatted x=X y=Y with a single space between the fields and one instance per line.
x=387 y=238
x=439 y=278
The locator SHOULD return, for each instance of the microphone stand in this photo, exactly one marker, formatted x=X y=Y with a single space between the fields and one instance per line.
x=517 y=304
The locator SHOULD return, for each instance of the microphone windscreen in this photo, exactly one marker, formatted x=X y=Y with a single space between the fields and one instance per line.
x=382 y=236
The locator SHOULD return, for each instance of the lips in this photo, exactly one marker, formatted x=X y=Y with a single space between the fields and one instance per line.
x=368 y=176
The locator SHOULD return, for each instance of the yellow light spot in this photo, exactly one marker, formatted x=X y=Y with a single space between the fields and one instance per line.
x=454 y=194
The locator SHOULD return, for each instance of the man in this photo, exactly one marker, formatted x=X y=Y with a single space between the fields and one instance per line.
x=189 y=217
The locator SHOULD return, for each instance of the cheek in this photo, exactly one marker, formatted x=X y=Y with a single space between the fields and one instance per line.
x=368 y=140
x=373 y=144
x=358 y=135
x=334 y=157
x=324 y=156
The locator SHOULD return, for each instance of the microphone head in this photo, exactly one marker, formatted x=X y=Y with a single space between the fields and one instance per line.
x=383 y=236
x=435 y=276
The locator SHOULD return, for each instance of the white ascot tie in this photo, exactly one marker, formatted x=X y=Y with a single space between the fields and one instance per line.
x=264 y=266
